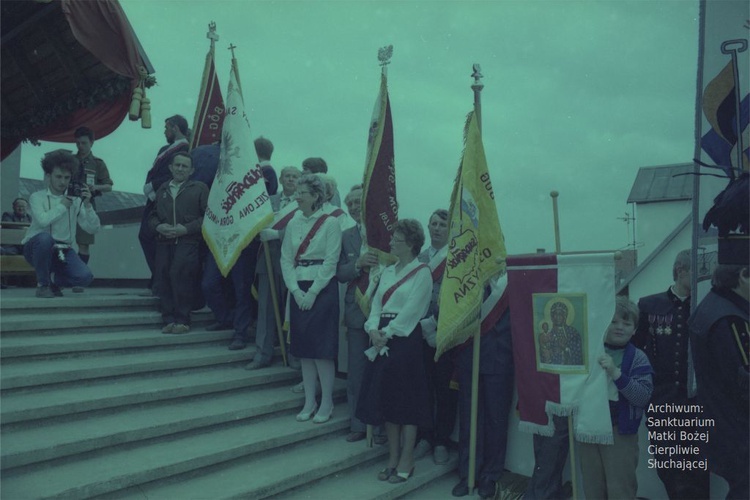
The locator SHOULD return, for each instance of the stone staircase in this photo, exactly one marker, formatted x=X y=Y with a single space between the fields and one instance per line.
x=97 y=403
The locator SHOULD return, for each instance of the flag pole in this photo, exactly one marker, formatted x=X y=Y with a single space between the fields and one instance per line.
x=556 y=215
x=571 y=440
x=236 y=69
x=275 y=301
x=477 y=87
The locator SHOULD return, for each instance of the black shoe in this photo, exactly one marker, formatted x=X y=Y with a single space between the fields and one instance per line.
x=461 y=489
x=56 y=290
x=486 y=488
x=217 y=327
x=237 y=344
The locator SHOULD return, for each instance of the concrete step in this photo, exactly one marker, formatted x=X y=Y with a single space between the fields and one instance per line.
x=54 y=371
x=362 y=482
x=133 y=465
x=67 y=399
x=268 y=474
x=438 y=489
x=24 y=301
x=87 y=321
x=54 y=440
x=65 y=343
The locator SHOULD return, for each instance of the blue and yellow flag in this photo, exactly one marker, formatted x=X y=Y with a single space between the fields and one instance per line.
x=476 y=246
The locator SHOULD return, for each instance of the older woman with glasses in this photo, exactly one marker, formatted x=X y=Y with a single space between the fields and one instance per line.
x=394 y=386
x=309 y=255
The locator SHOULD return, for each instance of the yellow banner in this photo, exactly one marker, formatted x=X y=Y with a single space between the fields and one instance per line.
x=476 y=246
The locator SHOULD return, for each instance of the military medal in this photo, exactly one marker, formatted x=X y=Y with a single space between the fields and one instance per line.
x=651 y=319
x=659 y=329
x=668 y=327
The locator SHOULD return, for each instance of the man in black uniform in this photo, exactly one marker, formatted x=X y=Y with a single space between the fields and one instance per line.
x=663 y=335
x=721 y=347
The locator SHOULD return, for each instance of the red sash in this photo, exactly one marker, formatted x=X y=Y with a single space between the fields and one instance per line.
x=337 y=213
x=437 y=273
x=389 y=292
x=281 y=223
x=310 y=235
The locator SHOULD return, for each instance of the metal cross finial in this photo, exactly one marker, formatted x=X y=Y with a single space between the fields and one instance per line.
x=477 y=76
x=232 y=47
x=212 y=35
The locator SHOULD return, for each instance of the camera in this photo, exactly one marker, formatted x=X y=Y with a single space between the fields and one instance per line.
x=75 y=188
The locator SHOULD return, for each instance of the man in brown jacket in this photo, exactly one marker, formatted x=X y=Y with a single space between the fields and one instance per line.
x=177 y=219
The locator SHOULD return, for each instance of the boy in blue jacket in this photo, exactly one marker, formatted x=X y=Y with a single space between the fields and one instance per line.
x=609 y=470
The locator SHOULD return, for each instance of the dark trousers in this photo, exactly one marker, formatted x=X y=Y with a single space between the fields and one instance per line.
x=39 y=253
x=238 y=310
x=266 y=331
x=147 y=238
x=176 y=279
x=357 y=342
x=443 y=399
x=550 y=455
x=495 y=395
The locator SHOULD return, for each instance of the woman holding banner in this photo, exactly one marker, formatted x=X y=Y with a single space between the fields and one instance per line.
x=394 y=386
x=309 y=254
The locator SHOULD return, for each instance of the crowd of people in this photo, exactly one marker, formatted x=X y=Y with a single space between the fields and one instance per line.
x=317 y=270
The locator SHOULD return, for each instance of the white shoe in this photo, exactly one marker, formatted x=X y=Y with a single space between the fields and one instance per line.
x=304 y=416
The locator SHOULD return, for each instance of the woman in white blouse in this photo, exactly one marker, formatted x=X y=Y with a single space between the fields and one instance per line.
x=309 y=254
x=394 y=385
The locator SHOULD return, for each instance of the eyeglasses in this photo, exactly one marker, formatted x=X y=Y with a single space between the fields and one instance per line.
x=397 y=240
x=300 y=193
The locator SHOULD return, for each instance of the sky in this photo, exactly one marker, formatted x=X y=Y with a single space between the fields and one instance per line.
x=577 y=96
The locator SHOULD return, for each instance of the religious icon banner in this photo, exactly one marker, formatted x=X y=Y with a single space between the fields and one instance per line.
x=561 y=306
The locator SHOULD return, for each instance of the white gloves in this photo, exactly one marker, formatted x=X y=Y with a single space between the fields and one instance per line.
x=429 y=330
x=306 y=301
x=269 y=234
x=298 y=296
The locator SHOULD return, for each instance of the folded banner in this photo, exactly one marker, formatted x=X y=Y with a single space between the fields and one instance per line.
x=379 y=205
x=561 y=306
x=209 y=114
x=476 y=245
x=238 y=205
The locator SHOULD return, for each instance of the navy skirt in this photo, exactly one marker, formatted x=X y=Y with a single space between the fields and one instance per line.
x=394 y=387
x=314 y=333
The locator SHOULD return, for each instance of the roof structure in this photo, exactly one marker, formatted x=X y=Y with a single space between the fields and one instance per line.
x=663 y=183
x=108 y=202
x=66 y=63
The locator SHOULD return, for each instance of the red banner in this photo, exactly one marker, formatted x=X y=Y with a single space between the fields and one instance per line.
x=379 y=206
x=209 y=114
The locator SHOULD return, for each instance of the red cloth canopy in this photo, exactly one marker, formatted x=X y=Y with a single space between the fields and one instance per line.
x=102 y=28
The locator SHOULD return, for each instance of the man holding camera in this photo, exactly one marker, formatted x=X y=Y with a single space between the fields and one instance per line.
x=54 y=215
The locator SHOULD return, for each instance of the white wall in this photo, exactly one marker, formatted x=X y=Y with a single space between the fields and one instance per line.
x=10 y=170
x=117 y=253
x=655 y=221
x=657 y=276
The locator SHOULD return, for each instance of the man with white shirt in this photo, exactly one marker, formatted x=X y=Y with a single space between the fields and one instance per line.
x=443 y=399
x=284 y=208
x=176 y=132
x=352 y=269
x=48 y=241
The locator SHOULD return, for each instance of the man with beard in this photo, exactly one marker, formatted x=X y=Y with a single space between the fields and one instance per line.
x=176 y=132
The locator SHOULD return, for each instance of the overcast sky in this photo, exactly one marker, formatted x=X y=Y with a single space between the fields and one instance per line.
x=578 y=95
